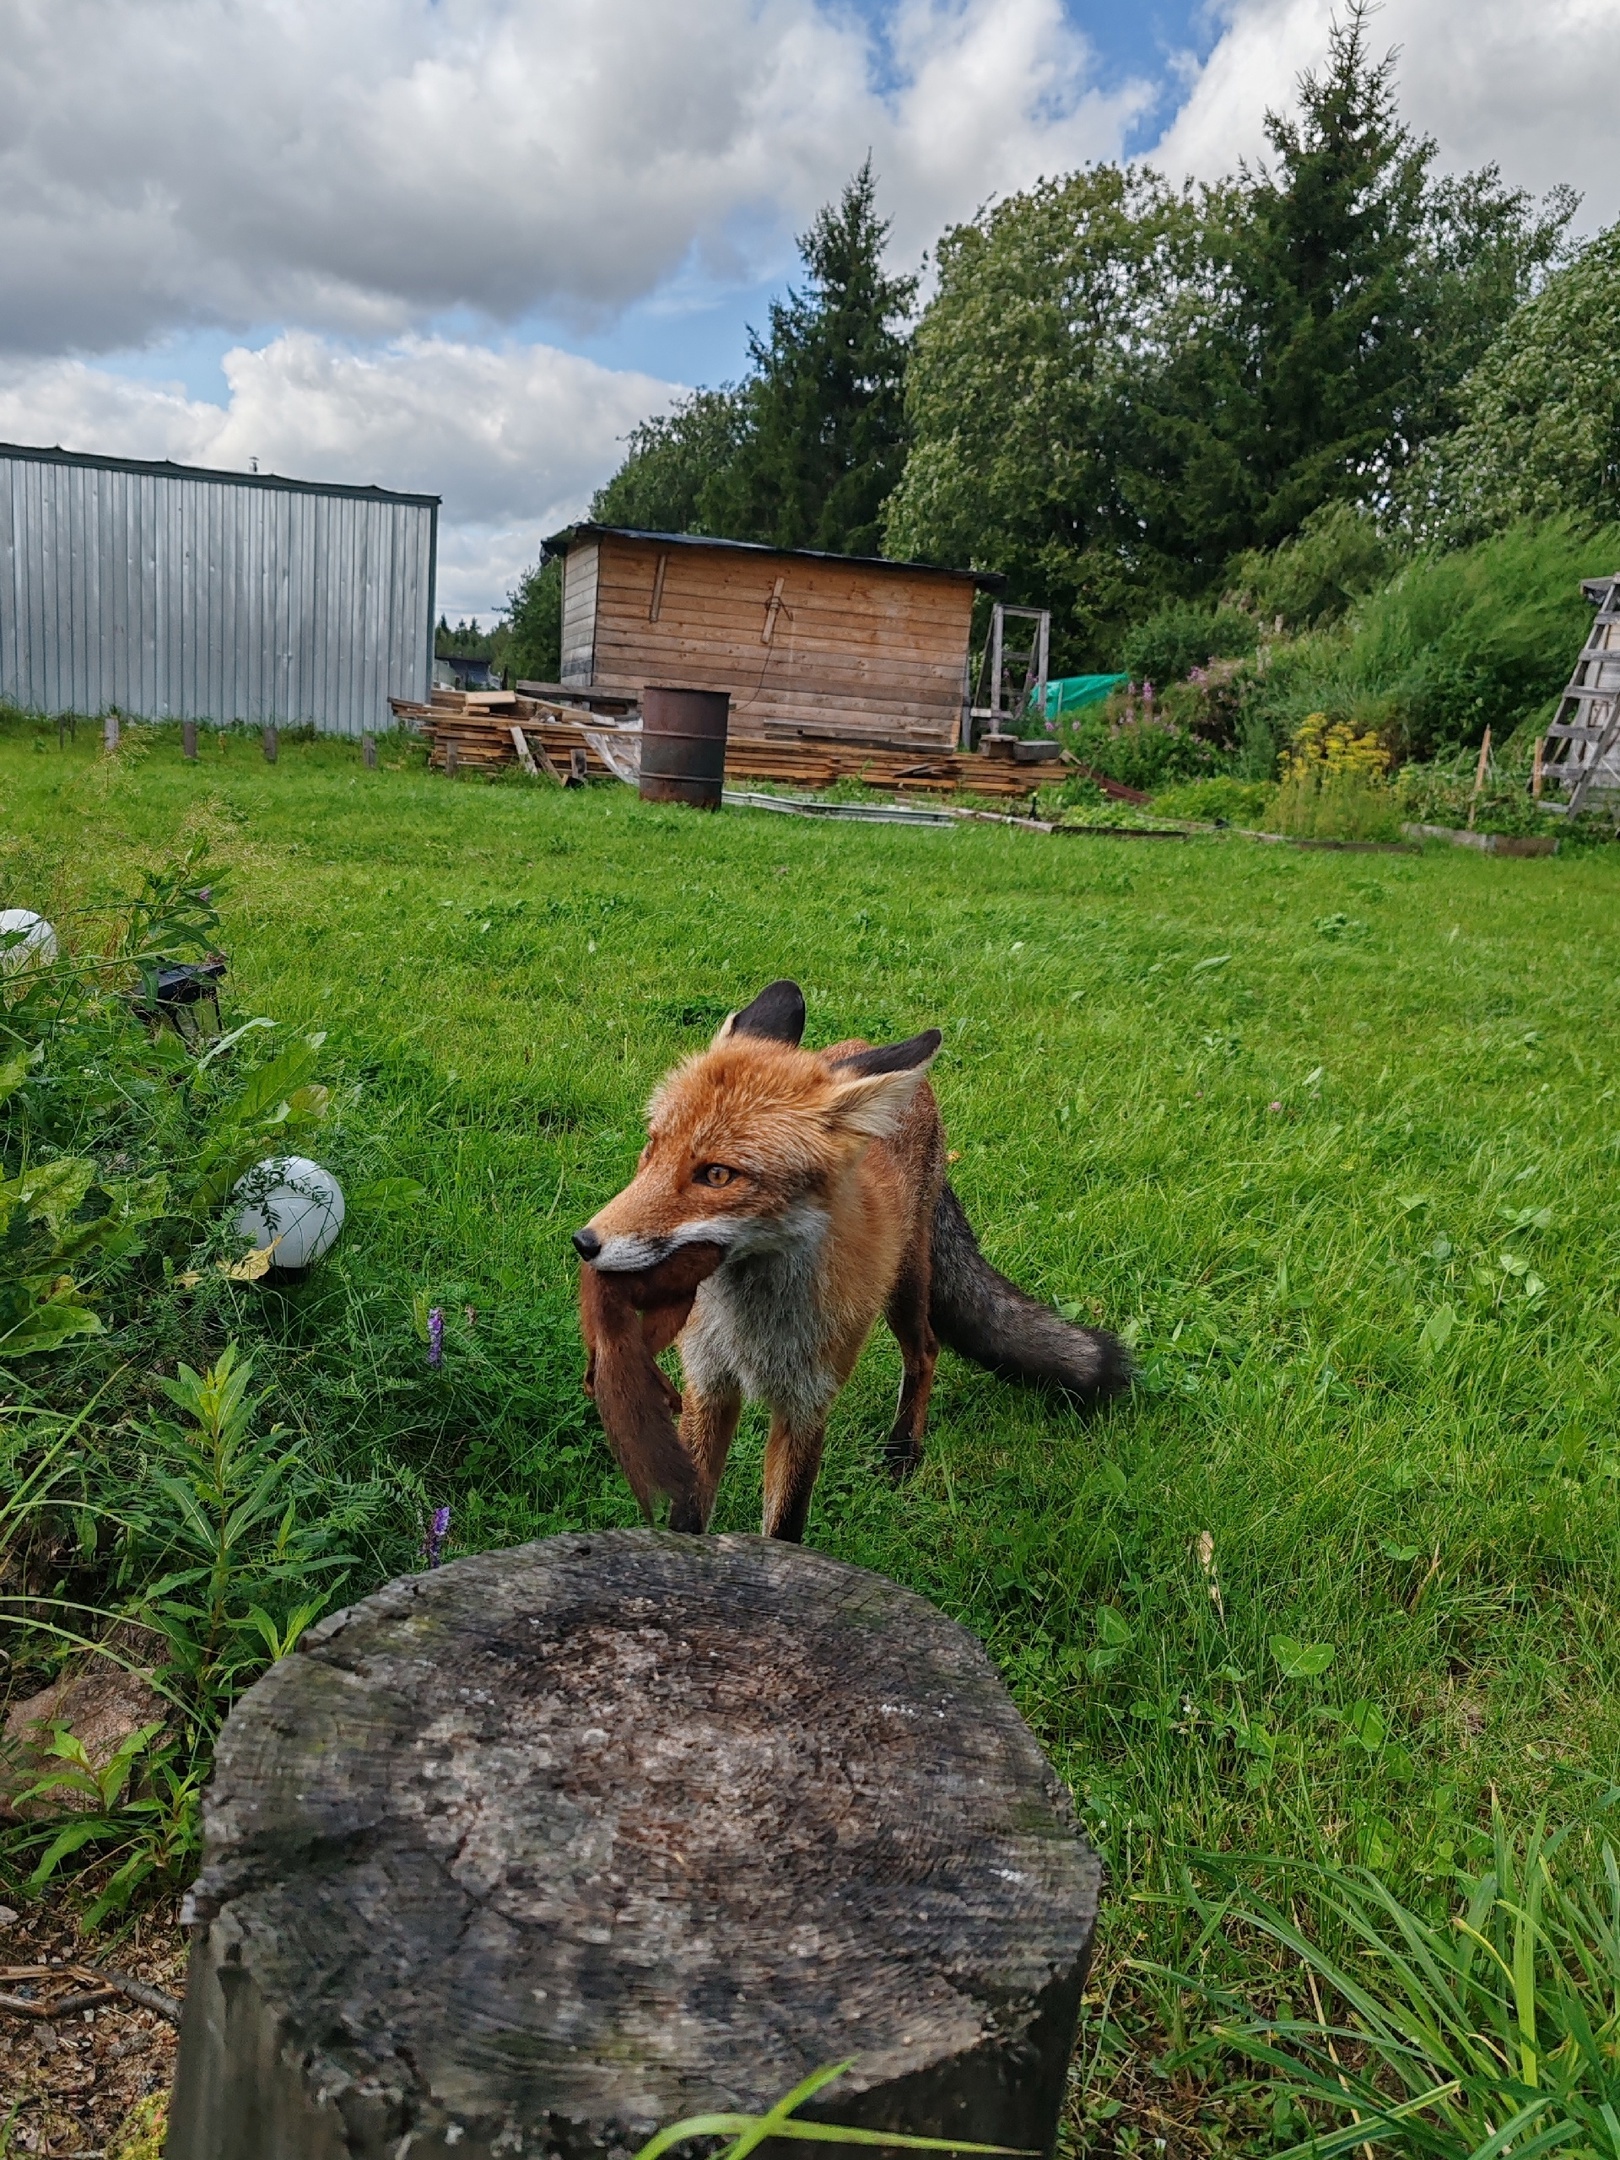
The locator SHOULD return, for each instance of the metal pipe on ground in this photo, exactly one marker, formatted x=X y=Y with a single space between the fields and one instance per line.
x=683 y=745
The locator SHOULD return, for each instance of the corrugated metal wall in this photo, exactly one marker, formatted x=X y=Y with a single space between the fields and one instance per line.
x=181 y=595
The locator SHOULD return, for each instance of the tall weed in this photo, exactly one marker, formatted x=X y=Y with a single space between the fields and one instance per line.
x=226 y=1548
x=1489 y=2030
x=120 y=1141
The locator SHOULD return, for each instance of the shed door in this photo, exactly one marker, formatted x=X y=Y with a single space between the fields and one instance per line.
x=579 y=615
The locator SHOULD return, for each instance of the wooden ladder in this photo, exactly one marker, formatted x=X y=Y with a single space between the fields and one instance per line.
x=1582 y=748
x=1006 y=696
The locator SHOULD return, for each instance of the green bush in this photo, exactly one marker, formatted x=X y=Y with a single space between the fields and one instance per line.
x=1338 y=555
x=1137 y=743
x=1454 y=643
x=1236 y=802
x=1443 y=794
x=1178 y=637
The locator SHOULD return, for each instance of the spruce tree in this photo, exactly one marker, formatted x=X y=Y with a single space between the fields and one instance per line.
x=824 y=441
x=1324 y=254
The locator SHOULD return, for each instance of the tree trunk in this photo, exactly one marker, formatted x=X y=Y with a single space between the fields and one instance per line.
x=543 y=1850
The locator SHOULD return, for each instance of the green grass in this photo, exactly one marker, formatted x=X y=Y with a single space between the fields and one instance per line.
x=1332 y=1138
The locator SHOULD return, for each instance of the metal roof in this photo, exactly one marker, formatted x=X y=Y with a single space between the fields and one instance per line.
x=166 y=469
x=559 y=544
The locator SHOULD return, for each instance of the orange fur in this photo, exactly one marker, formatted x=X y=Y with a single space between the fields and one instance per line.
x=858 y=1159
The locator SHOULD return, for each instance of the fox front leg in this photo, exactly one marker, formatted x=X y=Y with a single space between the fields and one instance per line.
x=792 y=1459
x=708 y=1427
x=907 y=1314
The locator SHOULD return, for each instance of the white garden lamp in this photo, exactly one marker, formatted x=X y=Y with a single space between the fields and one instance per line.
x=26 y=940
x=292 y=1205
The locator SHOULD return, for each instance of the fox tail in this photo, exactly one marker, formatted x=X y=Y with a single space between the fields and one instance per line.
x=983 y=1316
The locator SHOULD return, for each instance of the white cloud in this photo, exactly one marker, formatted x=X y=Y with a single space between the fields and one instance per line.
x=1494 y=81
x=514 y=438
x=335 y=184
x=369 y=167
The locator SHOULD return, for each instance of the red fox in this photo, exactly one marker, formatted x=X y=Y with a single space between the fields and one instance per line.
x=783 y=1200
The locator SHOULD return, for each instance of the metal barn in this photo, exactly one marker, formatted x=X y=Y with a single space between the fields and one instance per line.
x=839 y=647
x=177 y=593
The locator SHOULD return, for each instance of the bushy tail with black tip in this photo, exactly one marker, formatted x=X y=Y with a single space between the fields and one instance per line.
x=979 y=1314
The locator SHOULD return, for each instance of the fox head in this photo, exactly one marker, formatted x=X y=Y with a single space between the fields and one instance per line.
x=748 y=1130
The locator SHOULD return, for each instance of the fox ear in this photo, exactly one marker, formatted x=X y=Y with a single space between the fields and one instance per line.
x=875 y=1088
x=777 y=1015
x=910 y=1056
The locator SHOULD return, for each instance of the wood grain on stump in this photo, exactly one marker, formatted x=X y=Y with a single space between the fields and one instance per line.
x=540 y=1851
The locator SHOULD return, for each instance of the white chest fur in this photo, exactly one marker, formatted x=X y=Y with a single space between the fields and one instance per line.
x=758 y=1323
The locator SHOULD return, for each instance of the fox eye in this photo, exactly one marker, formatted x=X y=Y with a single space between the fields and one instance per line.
x=714 y=1173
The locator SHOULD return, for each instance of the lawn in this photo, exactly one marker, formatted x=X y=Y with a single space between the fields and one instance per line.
x=1330 y=1137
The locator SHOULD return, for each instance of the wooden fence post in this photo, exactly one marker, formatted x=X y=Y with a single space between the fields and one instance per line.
x=538 y=1851
x=188 y=740
x=1479 y=778
x=109 y=731
x=272 y=744
x=368 y=752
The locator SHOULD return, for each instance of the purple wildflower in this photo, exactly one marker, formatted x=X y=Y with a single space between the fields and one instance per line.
x=437 y=1535
x=436 y=1338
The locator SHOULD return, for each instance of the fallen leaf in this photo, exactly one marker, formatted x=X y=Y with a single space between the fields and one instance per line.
x=252 y=1266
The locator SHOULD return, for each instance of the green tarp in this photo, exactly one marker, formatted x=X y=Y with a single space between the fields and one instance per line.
x=1069 y=692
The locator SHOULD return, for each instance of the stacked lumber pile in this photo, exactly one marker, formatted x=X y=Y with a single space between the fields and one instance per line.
x=910 y=771
x=479 y=727
x=479 y=724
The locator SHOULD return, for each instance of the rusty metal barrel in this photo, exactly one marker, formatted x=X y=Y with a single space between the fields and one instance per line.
x=683 y=745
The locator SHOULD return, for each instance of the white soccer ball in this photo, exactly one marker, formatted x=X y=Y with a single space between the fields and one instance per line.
x=290 y=1198
x=26 y=940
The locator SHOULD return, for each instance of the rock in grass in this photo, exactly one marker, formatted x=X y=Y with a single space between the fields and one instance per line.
x=102 y=1699
x=552 y=1846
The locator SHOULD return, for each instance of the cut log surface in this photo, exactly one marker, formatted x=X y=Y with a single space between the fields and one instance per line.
x=545 y=1849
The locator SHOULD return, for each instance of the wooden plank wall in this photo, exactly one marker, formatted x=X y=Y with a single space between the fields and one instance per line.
x=580 y=567
x=800 y=645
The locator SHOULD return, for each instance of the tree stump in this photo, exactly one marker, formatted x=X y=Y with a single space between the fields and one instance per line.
x=538 y=1852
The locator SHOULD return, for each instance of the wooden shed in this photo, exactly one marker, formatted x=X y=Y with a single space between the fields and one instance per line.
x=844 y=647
